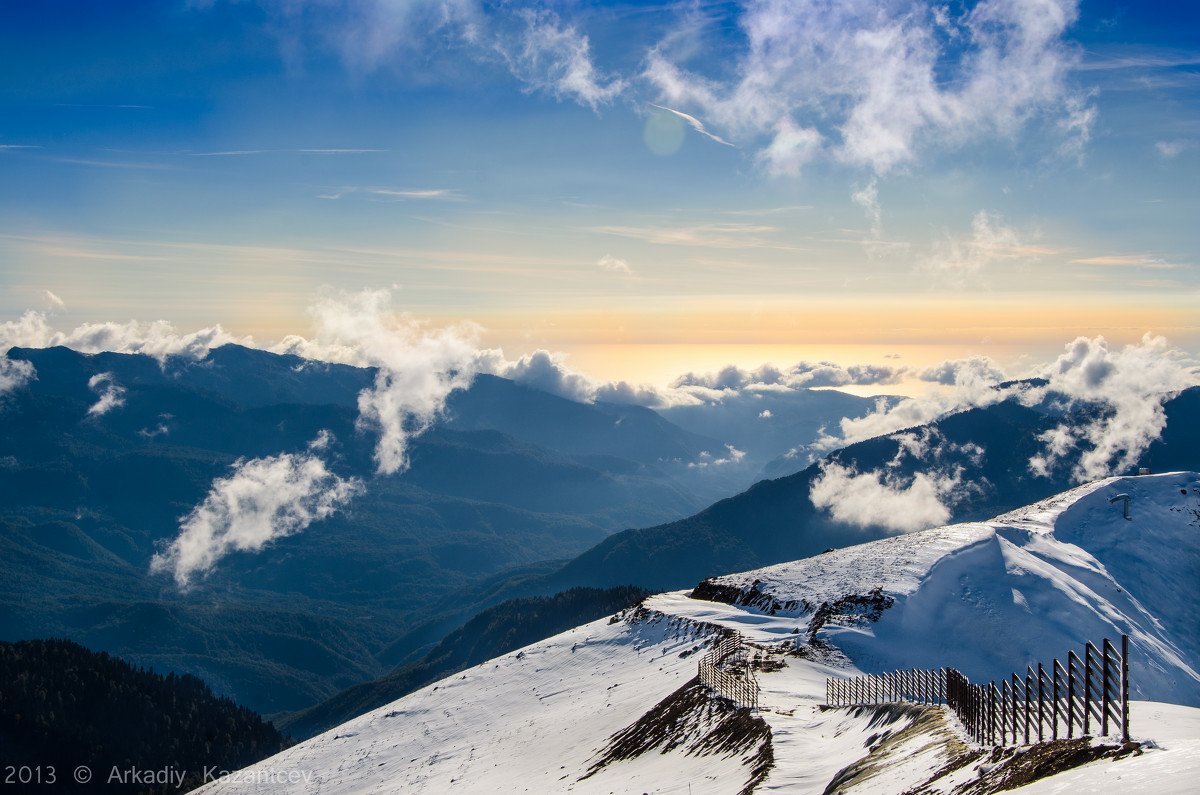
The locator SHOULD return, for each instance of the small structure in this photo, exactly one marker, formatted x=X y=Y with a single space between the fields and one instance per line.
x=1125 y=498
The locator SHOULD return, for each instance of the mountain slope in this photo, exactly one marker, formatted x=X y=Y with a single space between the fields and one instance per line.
x=86 y=499
x=775 y=520
x=493 y=632
x=986 y=598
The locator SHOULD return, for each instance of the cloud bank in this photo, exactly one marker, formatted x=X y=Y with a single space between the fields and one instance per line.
x=158 y=339
x=264 y=499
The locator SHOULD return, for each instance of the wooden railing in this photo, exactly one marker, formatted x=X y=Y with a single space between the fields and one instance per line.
x=739 y=686
x=1086 y=693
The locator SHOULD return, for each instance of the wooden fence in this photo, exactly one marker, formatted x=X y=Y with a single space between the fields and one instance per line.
x=737 y=685
x=1085 y=693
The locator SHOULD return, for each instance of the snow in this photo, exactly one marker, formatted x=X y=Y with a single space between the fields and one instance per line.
x=986 y=598
x=969 y=596
x=1169 y=769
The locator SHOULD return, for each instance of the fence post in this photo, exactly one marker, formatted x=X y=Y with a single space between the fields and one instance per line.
x=1087 y=688
x=1104 y=705
x=992 y=712
x=1072 y=658
x=1125 y=689
x=1041 y=702
x=1054 y=708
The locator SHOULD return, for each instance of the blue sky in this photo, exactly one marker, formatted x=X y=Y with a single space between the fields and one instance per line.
x=1013 y=172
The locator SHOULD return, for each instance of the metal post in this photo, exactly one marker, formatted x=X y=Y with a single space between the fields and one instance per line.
x=1125 y=689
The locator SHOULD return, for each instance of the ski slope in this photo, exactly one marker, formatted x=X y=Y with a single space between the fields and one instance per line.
x=985 y=597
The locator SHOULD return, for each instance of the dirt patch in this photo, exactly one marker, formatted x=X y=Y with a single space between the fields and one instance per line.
x=700 y=723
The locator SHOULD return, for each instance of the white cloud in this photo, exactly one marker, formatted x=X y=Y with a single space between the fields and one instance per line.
x=974 y=380
x=549 y=372
x=867 y=197
x=880 y=498
x=613 y=264
x=694 y=123
x=1129 y=385
x=158 y=339
x=733 y=456
x=974 y=370
x=1076 y=127
x=14 y=373
x=53 y=299
x=1126 y=261
x=111 y=394
x=791 y=148
x=262 y=500
x=418 y=366
x=1172 y=149
x=960 y=262
x=713 y=235
x=802 y=375
x=555 y=57
x=880 y=81
x=765 y=414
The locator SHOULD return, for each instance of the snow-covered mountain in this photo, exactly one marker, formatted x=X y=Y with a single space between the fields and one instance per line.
x=614 y=706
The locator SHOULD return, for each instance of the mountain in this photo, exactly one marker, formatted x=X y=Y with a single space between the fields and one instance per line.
x=768 y=425
x=86 y=499
x=775 y=520
x=493 y=632
x=616 y=705
x=63 y=706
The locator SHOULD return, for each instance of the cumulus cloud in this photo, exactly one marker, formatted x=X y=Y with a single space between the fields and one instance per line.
x=972 y=370
x=881 y=498
x=158 y=339
x=14 y=373
x=873 y=83
x=1128 y=385
x=262 y=500
x=417 y=366
x=111 y=394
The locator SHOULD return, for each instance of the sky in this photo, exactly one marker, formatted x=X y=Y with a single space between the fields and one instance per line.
x=649 y=188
